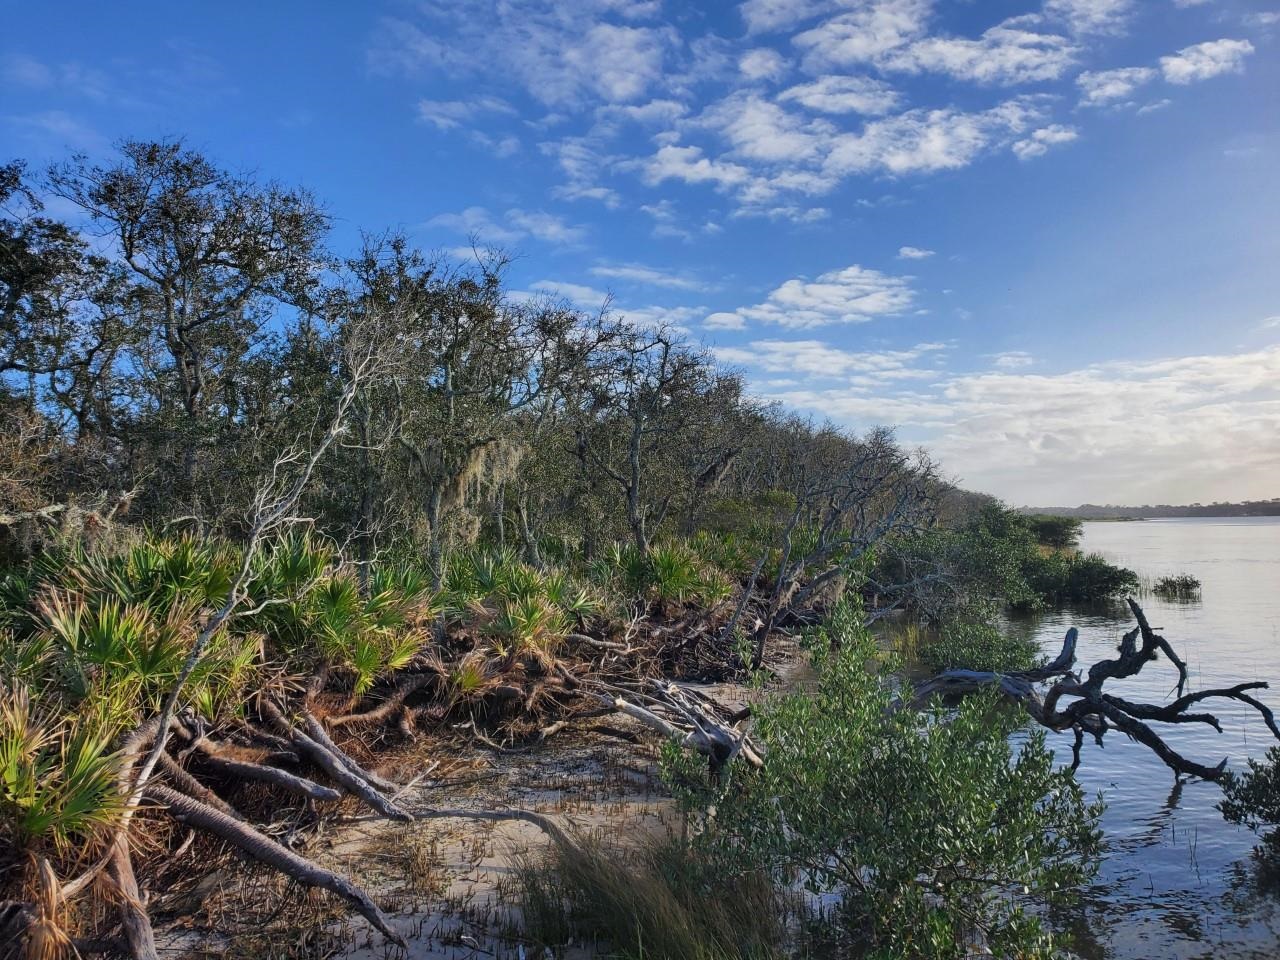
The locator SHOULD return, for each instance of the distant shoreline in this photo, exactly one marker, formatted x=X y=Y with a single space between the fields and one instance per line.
x=1093 y=511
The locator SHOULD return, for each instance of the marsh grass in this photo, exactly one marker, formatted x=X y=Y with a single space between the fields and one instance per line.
x=1177 y=587
x=657 y=898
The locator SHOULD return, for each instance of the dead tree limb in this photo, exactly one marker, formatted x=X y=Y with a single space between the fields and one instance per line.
x=1083 y=707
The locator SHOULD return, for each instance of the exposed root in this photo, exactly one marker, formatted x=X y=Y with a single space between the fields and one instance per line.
x=265 y=850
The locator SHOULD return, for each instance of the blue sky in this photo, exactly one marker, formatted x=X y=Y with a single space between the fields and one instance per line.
x=1040 y=237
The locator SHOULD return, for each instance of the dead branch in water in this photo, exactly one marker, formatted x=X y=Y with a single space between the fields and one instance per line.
x=1090 y=710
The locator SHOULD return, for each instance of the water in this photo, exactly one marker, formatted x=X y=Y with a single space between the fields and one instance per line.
x=1177 y=880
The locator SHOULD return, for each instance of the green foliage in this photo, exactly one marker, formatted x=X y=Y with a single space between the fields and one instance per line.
x=57 y=781
x=313 y=612
x=528 y=623
x=1252 y=798
x=996 y=555
x=671 y=572
x=103 y=634
x=1057 y=578
x=933 y=830
x=977 y=645
x=1055 y=532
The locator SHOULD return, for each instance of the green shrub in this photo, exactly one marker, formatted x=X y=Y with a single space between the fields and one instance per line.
x=1078 y=578
x=1252 y=798
x=933 y=831
x=975 y=645
x=1057 y=533
x=996 y=555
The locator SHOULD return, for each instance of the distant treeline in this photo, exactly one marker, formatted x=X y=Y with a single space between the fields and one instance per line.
x=1093 y=511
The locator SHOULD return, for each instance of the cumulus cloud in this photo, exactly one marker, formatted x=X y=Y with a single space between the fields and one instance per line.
x=1012 y=359
x=763 y=16
x=1091 y=16
x=1041 y=140
x=1003 y=54
x=926 y=141
x=864 y=34
x=1205 y=60
x=762 y=63
x=592 y=299
x=913 y=253
x=844 y=94
x=563 y=55
x=1104 y=87
x=673 y=162
x=759 y=129
x=855 y=294
x=816 y=359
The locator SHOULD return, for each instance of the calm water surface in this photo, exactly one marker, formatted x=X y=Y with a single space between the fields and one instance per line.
x=1178 y=881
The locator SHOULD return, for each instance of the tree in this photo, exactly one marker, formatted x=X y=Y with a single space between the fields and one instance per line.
x=211 y=258
x=642 y=410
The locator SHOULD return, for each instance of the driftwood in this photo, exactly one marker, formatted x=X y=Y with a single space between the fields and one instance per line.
x=1084 y=707
x=677 y=714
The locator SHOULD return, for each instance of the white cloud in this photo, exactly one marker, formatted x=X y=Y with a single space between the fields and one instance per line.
x=1271 y=322
x=565 y=55
x=763 y=16
x=818 y=360
x=855 y=294
x=653 y=276
x=925 y=141
x=579 y=294
x=448 y=114
x=762 y=63
x=1205 y=60
x=1002 y=55
x=796 y=213
x=26 y=71
x=59 y=129
x=673 y=162
x=1041 y=140
x=844 y=94
x=516 y=225
x=1012 y=359
x=1091 y=16
x=583 y=163
x=1210 y=427
x=864 y=34
x=724 y=321
x=913 y=253
x=1102 y=87
x=592 y=300
x=761 y=130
